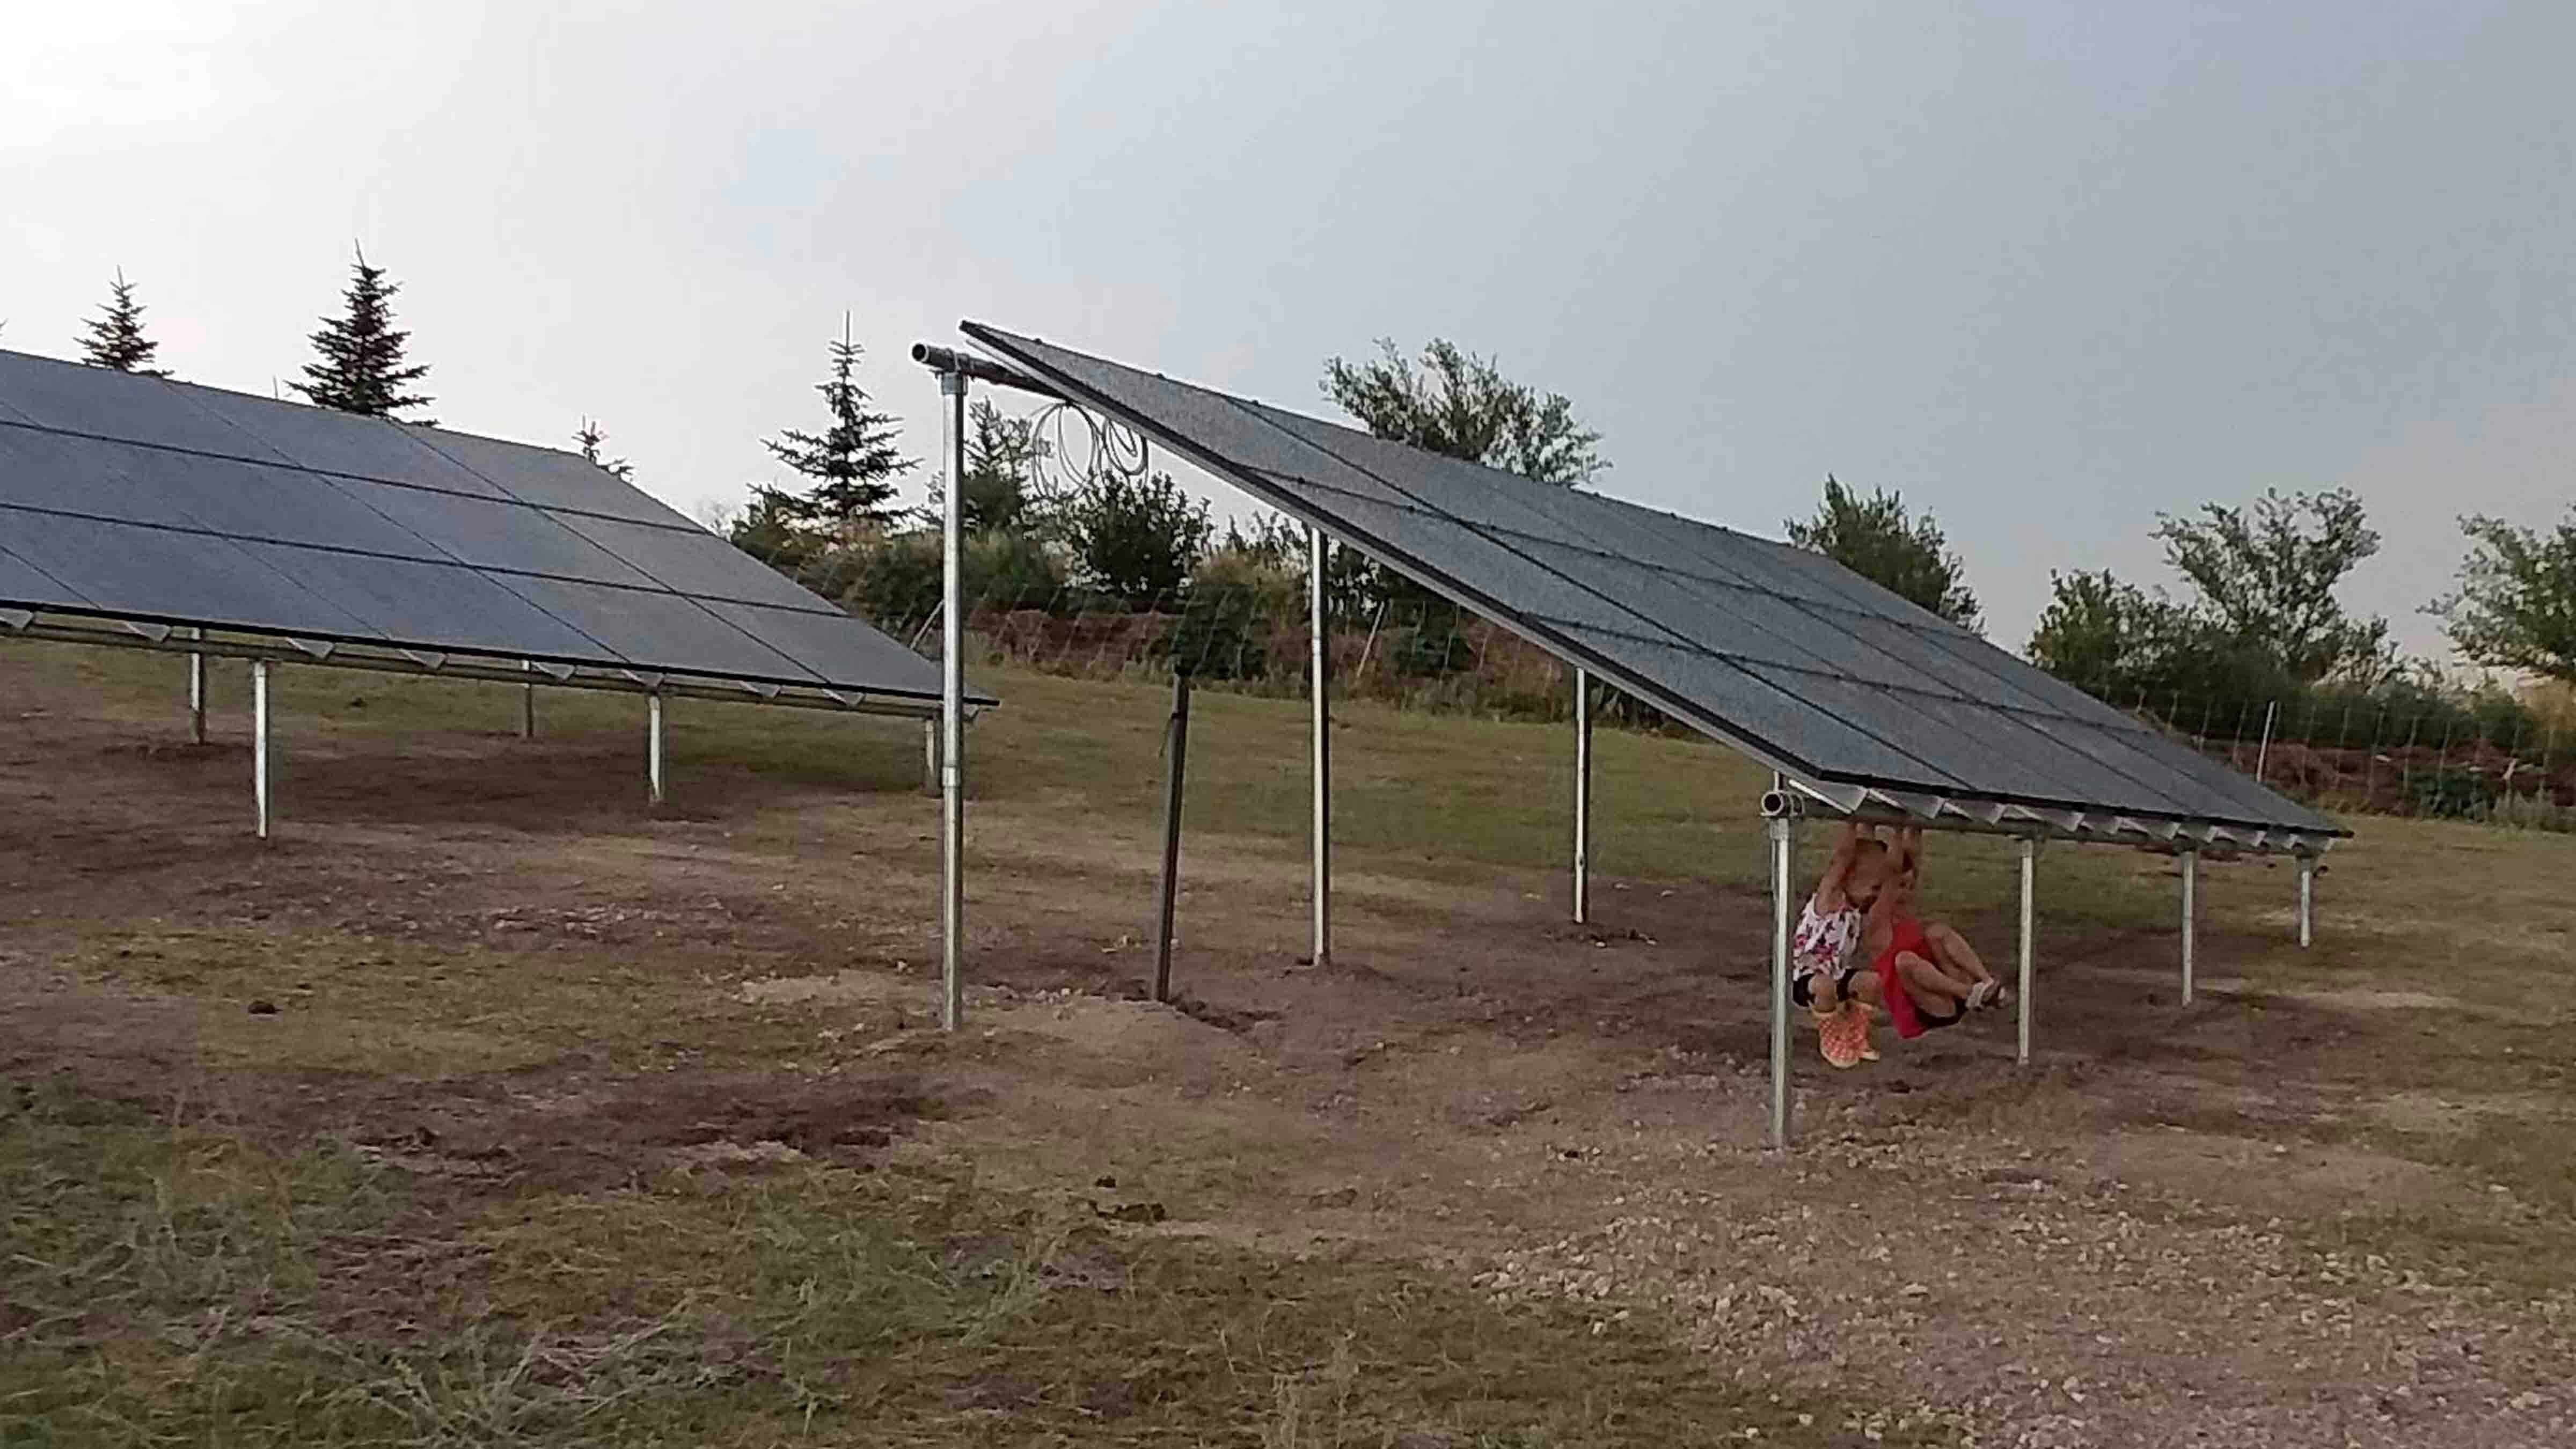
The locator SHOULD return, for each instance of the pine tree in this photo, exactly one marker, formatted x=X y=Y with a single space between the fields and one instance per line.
x=360 y=368
x=116 y=337
x=590 y=437
x=853 y=463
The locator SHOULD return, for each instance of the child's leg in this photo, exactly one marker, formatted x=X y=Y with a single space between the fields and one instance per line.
x=1953 y=953
x=1932 y=990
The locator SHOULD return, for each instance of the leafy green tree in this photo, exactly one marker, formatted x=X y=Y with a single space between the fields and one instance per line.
x=590 y=436
x=116 y=335
x=360 y=367
x=2267 y=578
x=853 y=462
x=1136 y=539
x=1003 y=485
x=1460 y=405
x=1881 y=540
x=2515 y=607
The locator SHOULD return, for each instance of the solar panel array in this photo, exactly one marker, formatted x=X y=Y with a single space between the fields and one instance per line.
x=133 y=498
x=1812 y=669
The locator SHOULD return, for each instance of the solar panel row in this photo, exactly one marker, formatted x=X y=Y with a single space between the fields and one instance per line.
x=1805 y=664
x=136 y=498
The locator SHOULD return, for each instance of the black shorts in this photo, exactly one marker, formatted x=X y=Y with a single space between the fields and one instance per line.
x=1935 y=1023
x=1802 y=987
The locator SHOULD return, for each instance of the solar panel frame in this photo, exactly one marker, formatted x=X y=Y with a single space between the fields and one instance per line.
x=1929 y=709
x=120 y=494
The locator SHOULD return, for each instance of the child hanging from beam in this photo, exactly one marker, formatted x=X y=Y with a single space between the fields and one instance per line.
x=1924 y=976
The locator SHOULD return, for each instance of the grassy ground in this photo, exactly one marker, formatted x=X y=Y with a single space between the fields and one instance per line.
x=486 y=1106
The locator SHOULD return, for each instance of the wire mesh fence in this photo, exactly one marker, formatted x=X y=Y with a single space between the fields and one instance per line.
x=1240 y=621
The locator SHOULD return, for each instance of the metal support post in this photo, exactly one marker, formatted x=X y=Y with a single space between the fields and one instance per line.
x=197 y=692
x=2029 y=940
x=1176 y=749
x=1318 y=685
x=653 y=745
x=930 y=758
x=1780 y=827
x=528 y=701
x=2307 y=901
x=259 y=669
x=952 y=710
x=1582 y=797
x=2190 y=915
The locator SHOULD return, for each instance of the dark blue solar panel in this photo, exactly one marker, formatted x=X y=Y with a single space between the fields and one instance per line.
x=1781 y=650
x=24 y=585
x=274 y=517
x=103 y=403
x=170 y=577
x=336 y=442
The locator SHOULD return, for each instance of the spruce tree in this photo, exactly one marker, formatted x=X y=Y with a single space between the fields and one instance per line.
x=116 y=337
x=590 y=437
x=853 y=463
x=360 y=368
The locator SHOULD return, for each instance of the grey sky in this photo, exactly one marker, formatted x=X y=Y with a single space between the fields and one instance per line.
x=2046 y=268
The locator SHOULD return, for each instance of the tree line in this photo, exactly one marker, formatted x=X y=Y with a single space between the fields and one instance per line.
x=2259 y=617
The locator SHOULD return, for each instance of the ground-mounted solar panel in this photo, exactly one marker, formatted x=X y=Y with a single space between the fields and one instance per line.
x=158 y=505
x=1843 y=686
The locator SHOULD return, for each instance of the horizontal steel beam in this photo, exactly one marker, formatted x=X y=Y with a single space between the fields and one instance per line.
x=160 y=639
x=982 y=369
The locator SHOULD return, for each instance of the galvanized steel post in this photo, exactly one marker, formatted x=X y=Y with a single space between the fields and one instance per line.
x=259 y=743
x=197 y=691
x=528 y=701
x=1779 y=827
x=2307 y=901
x=2029 y=940
x=2190 y=915
x=1582 y=797
x=653 y=745
x=952 y=709
x=1319 y=685
x=1176 y=758
x=930 y=758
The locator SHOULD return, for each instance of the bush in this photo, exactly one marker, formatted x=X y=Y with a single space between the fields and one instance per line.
x=1241 y=604
x=1007 y=569
x=896 y=580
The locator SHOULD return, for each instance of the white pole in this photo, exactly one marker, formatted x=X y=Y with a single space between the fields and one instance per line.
x=528 y=701
x=952 y=711
x=1779 y=826
x=2307 y=901
x=653 y=745
x=1582 y=797
x=1318 y=686
x=2029 y=938
x=197 y=691
x=259 y=742
x=2190 y=909
x=2263 y=751
x=930 y=758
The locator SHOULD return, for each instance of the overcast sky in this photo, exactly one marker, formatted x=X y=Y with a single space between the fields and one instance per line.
x=2045 y=268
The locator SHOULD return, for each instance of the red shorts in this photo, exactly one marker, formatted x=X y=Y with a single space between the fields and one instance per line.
x=1906 y=935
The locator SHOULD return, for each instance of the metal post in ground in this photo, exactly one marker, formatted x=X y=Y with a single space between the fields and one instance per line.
x=952 y=712
x=1779 y=828
x=197 y=691
x=1582 y=797
x=2190 y=915
x=2029 y=940
x=653 y=746
x=259 y=669
x=2307 y=901
x=1176 y=746
x=930 y=758
x=528 y=701
x=1318 y=684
